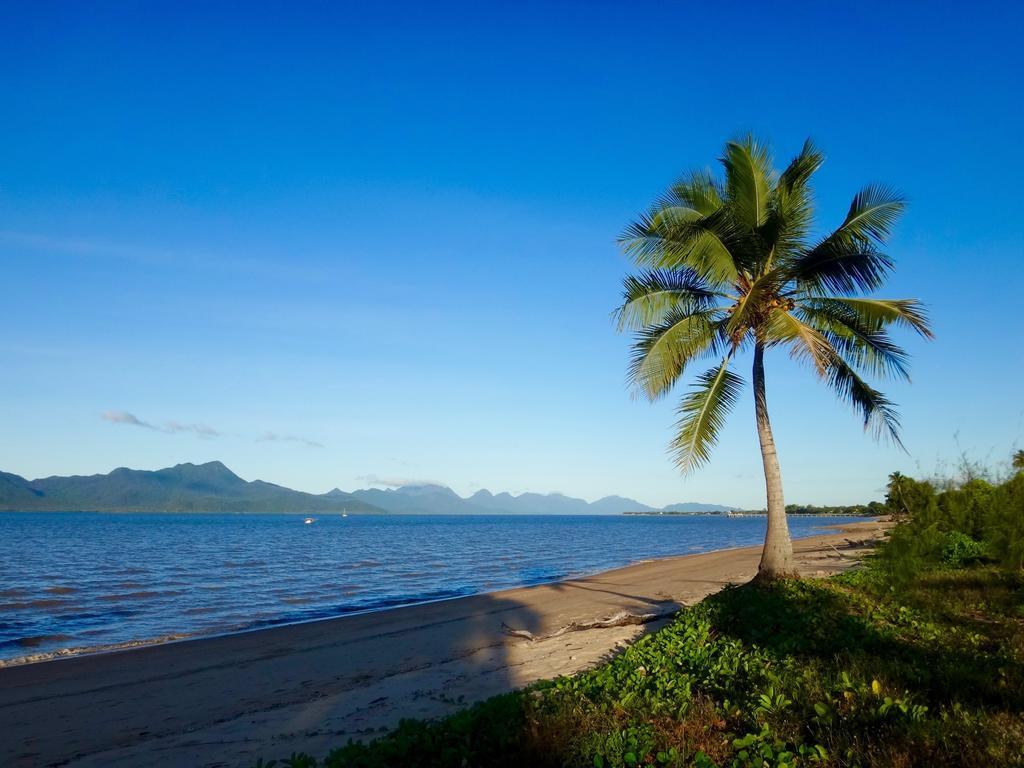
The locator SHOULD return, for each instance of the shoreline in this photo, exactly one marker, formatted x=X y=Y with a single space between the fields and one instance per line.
x=63 y=654
x=230 y=699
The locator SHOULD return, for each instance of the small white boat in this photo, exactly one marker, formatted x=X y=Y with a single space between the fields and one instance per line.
x=309 y=521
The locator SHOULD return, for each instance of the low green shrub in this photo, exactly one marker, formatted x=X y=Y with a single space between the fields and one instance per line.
x=959 y=549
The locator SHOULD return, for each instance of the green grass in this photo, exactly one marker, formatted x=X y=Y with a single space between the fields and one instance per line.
x=844 y=672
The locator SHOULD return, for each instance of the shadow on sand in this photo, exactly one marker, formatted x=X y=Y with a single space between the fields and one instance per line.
x=227 y=701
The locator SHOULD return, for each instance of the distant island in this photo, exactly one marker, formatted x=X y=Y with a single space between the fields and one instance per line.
x=688 y=508
x=212 y=487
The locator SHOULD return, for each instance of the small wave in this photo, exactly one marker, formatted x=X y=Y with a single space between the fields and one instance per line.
x=45 y=603
x=13 y=592
x=34 y=641
x=61 y=590
x=84 y=650
x=199 y=611
x=141 y=595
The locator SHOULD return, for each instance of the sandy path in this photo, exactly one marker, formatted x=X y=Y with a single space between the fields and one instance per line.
x=226 y=701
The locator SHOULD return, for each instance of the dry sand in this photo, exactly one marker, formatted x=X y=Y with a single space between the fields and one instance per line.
x=226 y=701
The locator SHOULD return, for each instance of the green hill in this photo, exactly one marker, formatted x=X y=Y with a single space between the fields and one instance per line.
x=210 y=487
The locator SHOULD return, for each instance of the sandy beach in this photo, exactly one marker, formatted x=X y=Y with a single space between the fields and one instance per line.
x=226 y=701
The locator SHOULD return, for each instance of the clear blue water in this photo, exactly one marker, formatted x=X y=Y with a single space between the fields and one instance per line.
x=81 y=580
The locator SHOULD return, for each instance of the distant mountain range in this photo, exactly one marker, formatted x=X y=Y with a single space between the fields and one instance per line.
x=440 y=499
x=212 y=487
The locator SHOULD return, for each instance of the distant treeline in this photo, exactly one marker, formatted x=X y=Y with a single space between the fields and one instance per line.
x=871 y=509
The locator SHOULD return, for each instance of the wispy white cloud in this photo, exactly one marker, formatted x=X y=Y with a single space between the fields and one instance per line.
x=393 y=482
x=170 y=427
x=123 y=417
x=204 y=431
x=200 y=430
x=274 y=437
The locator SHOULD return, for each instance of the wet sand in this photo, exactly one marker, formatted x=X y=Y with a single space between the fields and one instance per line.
x=226 y=701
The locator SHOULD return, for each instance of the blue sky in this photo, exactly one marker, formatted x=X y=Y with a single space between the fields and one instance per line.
x=335 y=246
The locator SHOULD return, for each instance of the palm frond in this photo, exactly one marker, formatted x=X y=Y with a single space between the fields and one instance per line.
x=806 y=344
x=877 y=313
x=878 y=412
x=791 y=207
x=649 y=296
x=785 y=232
x=698 y=190
x=678 y=238
x=837 y=265
x=867 y=348
x=848 y=259
x=662 y=351
x=748 y=180
x=702 y=414
x=873 y=213
x=801 y=167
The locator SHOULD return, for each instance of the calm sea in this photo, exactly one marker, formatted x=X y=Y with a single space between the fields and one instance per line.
x=80 y=580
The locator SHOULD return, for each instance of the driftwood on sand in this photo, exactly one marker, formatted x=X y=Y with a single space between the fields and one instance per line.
x=621 y=619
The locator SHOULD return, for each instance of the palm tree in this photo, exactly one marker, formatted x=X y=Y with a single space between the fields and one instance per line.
x=729 y=265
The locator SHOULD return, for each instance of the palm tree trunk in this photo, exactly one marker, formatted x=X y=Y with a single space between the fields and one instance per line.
x=777 y=555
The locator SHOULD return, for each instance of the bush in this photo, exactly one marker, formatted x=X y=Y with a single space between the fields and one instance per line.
x=959 y=550
x=964 y=523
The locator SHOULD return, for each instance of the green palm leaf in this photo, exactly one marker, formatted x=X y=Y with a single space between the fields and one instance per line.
x=702 y=414
x=878 y=412
x=648 y=297
x=748 y=178
x=662 y=351
x=801 y=167
x=697 y=190
x=837 y=265
x=877 y=313
x=865 y=347
x=791 y=207
x=680 y=238
x=873 y=212
x=806 y=344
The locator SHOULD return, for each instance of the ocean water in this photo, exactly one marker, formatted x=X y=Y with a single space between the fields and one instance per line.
x=75 y=581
